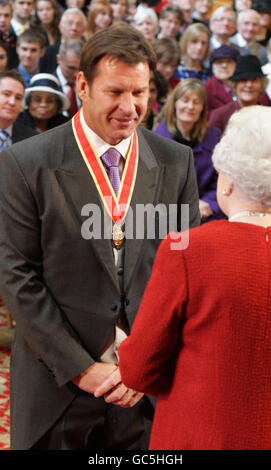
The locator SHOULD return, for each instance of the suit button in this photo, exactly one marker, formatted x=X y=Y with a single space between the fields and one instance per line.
x=127 y=301
x=114 y=307
x=120 y=271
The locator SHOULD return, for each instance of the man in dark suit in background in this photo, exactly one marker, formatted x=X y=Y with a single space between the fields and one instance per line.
x=68 y=60
x=70 y=272
x=72 y=26
x=11 y=96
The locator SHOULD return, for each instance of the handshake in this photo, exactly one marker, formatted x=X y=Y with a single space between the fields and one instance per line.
x=104 y=379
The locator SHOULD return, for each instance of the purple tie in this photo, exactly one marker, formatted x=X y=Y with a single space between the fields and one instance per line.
x=111 y=159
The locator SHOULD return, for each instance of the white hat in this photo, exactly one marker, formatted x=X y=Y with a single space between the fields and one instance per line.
x=46 y=82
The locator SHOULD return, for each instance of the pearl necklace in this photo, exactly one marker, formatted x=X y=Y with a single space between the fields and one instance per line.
x=248 y=214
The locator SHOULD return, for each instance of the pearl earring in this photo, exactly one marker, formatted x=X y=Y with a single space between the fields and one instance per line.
x=224 y=192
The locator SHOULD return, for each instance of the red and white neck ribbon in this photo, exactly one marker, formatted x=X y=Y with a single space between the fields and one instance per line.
x=116 y=205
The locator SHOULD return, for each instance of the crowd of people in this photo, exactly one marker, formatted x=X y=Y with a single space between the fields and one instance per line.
x=88 y=356
x=226 y=48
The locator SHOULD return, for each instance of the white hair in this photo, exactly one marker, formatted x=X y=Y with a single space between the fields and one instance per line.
x=73 y=11
x=244 y=152
x=219 y=11
x=242 y=15
x=142 y=13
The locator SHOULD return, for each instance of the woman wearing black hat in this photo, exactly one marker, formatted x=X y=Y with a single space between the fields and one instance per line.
x=223 y=62
x=249 y=85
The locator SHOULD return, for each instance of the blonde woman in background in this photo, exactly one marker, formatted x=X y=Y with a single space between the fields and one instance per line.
x=195 y=49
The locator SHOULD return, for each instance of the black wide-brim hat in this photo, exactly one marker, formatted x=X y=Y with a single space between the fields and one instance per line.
x=247 y=66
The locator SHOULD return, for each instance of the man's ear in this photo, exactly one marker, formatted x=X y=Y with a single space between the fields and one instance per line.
x=58 y=59
x=82 y=86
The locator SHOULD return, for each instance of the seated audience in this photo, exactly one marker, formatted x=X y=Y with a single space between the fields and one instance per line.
x=185 y=120
x=222 y=26
x=120 y=9
x=170 y=21
x=248 y=26
x=22 y=14
x=202 y=10
x=200 y=342
x=223 y=62
x=168 y=57
x=68 y=67
x=30 y=49
x=47 y=17
x=11 y=96
x=249 y=84
x=44 y=103
x=7 y=35
x=99 y=17
x=146 y=21
x=72 y=26
x=194 y=45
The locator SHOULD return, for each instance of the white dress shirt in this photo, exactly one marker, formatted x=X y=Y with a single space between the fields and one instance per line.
x=110 y=353
x=66 y=88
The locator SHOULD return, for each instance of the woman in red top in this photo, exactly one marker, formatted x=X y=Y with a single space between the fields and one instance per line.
x=201 y=340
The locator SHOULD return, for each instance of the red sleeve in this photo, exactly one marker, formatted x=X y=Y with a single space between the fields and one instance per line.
x=155 y=338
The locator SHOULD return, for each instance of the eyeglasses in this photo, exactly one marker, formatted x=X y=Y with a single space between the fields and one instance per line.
x=224 y=18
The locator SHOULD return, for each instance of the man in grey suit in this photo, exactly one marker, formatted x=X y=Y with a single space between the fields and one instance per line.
x=11 y=97
x=71 y=273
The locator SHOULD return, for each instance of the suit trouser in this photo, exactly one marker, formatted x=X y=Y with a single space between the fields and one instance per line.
x=90 y=423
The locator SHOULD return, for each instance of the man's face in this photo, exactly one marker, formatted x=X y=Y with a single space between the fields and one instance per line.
x=11 y=96
x=248 y=91
x=224 y=24
x=186 y=7
x=116 y=100
x=249 y=26
x=29 y=55
x=22 y=9
x=5 y=18
x=72 y=26
x=203 y=6
x=69 y=66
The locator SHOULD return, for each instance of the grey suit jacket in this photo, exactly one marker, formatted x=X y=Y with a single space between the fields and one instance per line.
x=61 y=288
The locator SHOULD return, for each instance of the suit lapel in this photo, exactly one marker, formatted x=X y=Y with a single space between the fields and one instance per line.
x=78 y=188
x=145 y=192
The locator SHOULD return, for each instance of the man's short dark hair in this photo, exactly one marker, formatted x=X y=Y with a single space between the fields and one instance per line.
x=14 y=74
x=119 y=40
x=5 y=3
x=32 y=34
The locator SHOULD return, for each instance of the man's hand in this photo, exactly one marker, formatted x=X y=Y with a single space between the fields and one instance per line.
x=94 y=376
x=116 y=393
x=205 y=209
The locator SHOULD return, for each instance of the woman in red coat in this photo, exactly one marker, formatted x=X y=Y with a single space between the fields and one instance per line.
x=201 y=342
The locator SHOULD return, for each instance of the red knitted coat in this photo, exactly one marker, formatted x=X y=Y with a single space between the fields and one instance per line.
x=201 y=342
